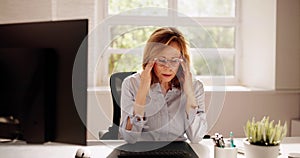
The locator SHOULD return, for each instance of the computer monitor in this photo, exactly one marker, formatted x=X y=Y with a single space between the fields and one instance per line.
x=37 y=81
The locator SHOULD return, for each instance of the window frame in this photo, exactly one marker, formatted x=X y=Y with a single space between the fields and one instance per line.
x=167 y=20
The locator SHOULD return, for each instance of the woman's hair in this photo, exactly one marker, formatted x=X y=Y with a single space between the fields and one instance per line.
x=159 y=40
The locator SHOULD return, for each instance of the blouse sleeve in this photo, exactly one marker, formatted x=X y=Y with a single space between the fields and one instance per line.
x=127 y=101
x=196 y=119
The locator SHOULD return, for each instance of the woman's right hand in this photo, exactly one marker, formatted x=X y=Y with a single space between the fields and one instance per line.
x=143 y=90
x=146 y=75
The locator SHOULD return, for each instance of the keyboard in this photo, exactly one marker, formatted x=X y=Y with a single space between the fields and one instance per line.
x=155 y=154
x=177 y=149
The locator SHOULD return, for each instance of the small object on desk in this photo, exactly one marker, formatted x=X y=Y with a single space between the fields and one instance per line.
x=206 y=136
x=219 y=141
x=231 y=139
x=294 y=155
x=241 y=150
x=83 y=153
x=222 y=149
x=225 y=152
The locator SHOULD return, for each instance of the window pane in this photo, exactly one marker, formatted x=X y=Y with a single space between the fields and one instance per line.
x=132 y=37
x=207 y=8
x=135 y=7
x=210 y=37
x=125 y=62
x=211 y=65
x=127 y=36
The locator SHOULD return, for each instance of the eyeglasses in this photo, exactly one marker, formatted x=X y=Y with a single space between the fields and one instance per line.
x=162 y=61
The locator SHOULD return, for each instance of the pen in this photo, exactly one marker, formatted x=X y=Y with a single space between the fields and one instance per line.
x=221 y=142
x=231 y=139
x=216 y=140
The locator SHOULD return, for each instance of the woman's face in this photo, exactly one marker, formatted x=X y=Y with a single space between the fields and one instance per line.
x=167 y=63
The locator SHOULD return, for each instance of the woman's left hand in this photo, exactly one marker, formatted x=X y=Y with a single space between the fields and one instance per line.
x=188 y=83
x=188 y=87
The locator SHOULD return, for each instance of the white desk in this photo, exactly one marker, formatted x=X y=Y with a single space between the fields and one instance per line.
x=98 y=149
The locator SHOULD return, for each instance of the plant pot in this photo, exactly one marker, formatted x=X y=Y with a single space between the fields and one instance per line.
x=257 y=151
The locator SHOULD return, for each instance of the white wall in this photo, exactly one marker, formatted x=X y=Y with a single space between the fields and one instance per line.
x=270 y=44
x=288 y=45
x=15 y=11
x=241 y=106
x=12 y=11
x=100 y=111
x=258 y=27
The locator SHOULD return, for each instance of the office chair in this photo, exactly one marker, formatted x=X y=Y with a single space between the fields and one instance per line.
x=116 y=80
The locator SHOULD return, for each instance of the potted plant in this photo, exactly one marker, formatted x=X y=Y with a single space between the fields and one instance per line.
x=263 y=138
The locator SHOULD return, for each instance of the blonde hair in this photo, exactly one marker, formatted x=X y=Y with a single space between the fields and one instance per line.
x=158 y=40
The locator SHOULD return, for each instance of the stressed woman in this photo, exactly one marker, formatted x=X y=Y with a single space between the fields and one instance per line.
x=163 y=102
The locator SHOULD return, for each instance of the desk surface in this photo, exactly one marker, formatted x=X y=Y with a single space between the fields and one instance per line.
x=98 y=149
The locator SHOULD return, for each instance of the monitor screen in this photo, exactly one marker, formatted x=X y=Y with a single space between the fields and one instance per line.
x=38 y=100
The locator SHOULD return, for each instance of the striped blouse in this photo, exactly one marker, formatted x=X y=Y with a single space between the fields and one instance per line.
x=166 y=118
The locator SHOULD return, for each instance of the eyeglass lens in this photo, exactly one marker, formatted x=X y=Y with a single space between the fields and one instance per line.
x=173 y=62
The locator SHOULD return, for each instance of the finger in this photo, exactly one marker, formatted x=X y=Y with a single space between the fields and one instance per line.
x=186 y=67
x=183 y=65
x=149 y=66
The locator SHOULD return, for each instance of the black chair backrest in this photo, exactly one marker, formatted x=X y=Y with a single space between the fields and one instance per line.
x=116 y=81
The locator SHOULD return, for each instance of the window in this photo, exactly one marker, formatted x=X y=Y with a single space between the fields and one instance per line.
x=210 y=27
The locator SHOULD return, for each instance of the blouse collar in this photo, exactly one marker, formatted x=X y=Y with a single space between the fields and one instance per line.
x=156 y=88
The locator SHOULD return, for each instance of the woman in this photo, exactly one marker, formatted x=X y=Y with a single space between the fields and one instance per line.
x=163 y=102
